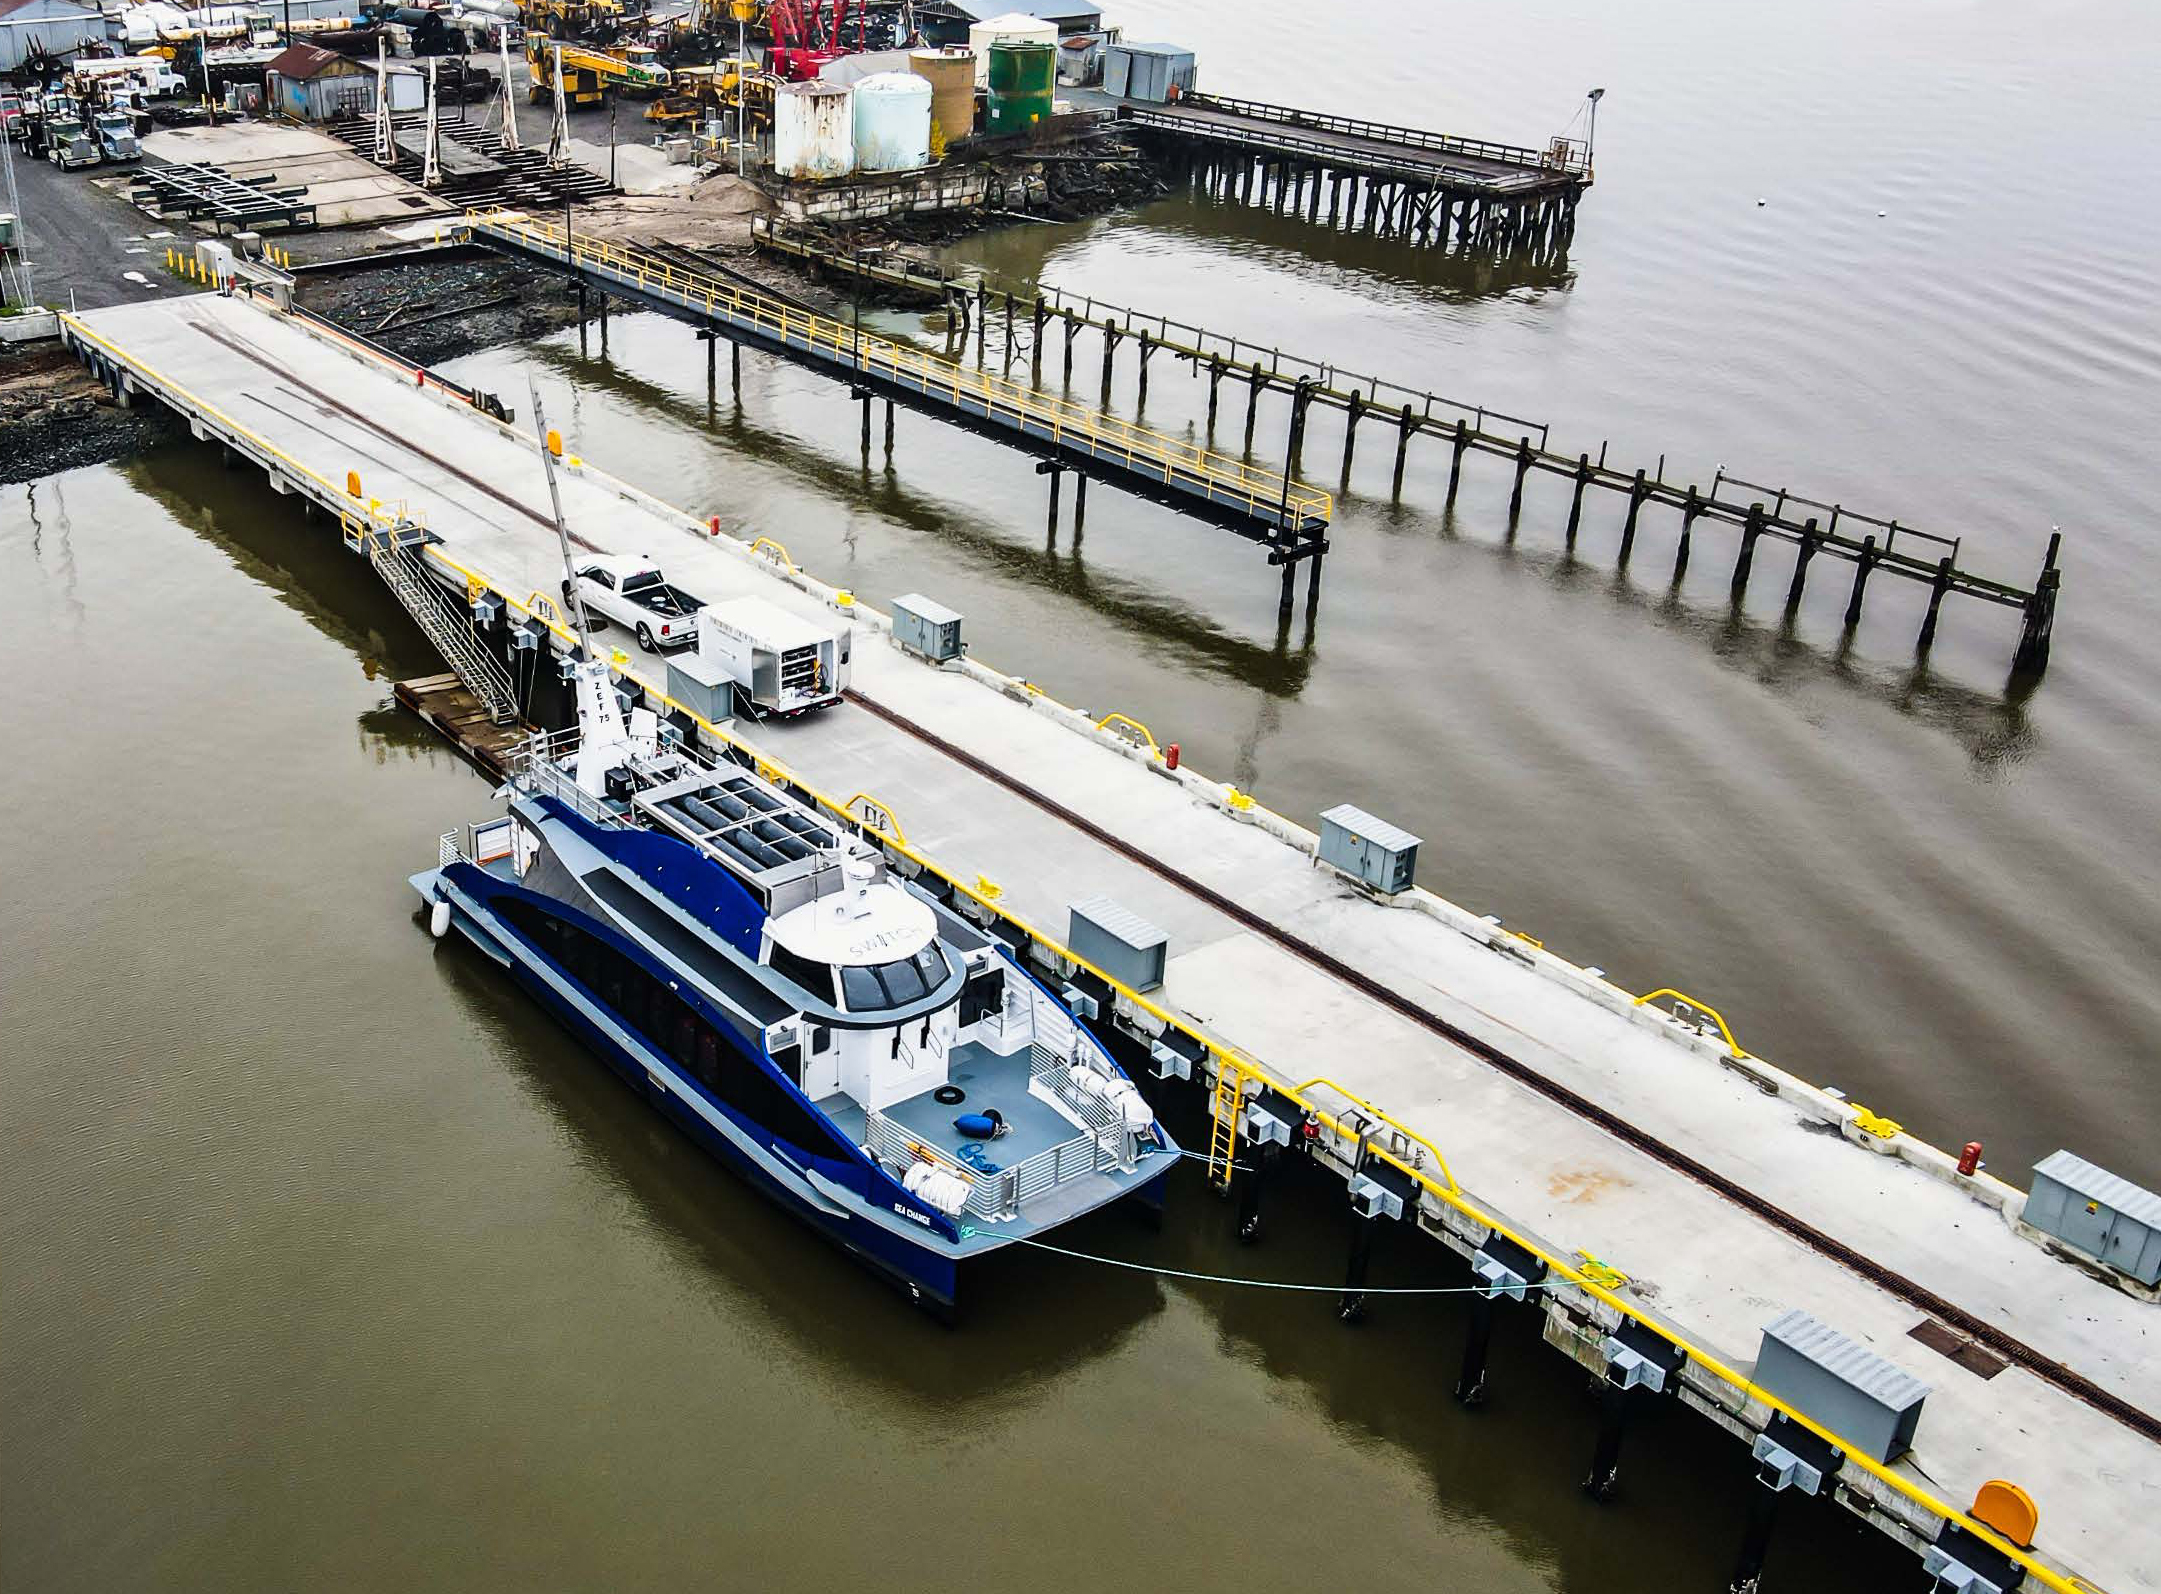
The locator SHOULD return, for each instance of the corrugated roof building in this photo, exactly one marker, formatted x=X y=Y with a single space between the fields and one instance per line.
x=55 y=27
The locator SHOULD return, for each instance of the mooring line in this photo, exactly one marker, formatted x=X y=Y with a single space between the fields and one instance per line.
x=1251 y=1284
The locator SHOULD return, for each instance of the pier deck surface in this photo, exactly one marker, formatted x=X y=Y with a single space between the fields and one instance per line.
x=1711 y=1268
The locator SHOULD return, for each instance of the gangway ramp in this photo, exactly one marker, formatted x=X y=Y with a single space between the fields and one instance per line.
x=983 y=777
x=1259 y=504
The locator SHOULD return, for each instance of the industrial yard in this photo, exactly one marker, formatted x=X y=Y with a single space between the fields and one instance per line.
x=1138 y=511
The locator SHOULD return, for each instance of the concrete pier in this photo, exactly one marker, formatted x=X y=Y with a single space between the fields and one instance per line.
x=1660 y=1180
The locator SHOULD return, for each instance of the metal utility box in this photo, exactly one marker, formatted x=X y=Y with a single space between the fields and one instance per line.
x=703 y=686
x=1382 y=855
x=784 y=664
x=2095 y=1211
x=1872 y=1405
x=1148 y=72
x=1118 y=941
x=927 y=628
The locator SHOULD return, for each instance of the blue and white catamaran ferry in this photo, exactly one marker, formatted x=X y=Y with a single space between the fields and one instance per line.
x=848 y=1043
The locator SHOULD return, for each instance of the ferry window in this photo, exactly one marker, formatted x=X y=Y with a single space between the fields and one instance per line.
x=860 y=985
x=821 y=1040
x=903 y=982
x=816 y=978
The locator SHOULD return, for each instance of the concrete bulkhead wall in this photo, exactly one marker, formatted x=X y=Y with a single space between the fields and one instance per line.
x=965 y=188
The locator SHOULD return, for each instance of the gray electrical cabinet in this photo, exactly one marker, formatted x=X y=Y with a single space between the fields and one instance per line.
x=1151 y=72
x=1382 y=855
x=703 y=686
x=1118 y=941
x=927 y=629
x=2092 y=1210
x=1873 y=1405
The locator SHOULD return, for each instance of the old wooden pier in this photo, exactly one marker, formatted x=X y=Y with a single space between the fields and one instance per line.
x=1871 y=545
x=1432 y=188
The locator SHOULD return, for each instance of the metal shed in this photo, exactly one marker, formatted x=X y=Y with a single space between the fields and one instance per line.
x=316 y=85
x=1384 y=856
x=1872 y=1404
x=2097 y=1212
x=55 y=27
x=1155 y=73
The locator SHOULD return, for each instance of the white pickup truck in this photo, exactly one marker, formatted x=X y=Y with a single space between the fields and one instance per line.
x=629 y=590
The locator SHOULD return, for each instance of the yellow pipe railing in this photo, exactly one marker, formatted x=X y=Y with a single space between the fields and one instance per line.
x=1131 y=724
x=985 y=894
x=1705 y=1008
x=1379 y=1116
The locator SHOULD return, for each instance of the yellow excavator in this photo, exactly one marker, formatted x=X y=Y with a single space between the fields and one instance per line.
x=697 y=92
x=590 y=70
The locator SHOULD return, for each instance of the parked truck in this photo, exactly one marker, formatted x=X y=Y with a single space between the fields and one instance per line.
x=116 y=137
x=630 y=590
x=780 y=662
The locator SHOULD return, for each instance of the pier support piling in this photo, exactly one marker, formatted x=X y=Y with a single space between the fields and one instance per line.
x=889 y=429
x=1637 y=492
x=1810 y=542
x=1613 y=1404
x=1755 y=1540
x=1575 y=503
x=1861 y=569
x=1406 y=425
x=2040 y=612
x=1751 y=529
x=1352 y=1307
x=1355 y=409
x=1523 y=469
x=1455 y=462
x=1936 y=590
x=1690 y=512
x=1477 y=1341
x=1260 y=1162
x=1146 y=349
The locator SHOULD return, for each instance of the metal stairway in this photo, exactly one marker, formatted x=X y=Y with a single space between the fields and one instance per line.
x=399 y=566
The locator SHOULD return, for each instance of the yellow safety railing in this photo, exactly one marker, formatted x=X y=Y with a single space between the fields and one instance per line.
x=775 y=552
x=1220 y=477
x=1582 y=1273
x=1705 y=1008
x=1134 y=725
x=887 y=822
x=1374 y=1115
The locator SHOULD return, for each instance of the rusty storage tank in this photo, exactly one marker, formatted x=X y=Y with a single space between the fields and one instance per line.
x=813 y=130
x=892 y=122
x=951 y=73
x=1022 y=76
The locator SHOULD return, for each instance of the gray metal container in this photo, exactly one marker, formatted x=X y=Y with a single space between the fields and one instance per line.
x=702 y=685
x=1384 y=856
x=926 y=628
x=2095 y=1211
x=1147 y=72
x=1118 y=941
x=1871 y=1404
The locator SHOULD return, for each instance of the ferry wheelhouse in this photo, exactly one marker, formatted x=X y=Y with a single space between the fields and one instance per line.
x=886 y=1070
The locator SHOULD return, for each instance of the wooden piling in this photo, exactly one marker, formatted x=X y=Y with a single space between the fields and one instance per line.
x=1575 y=502
x=1689 y=513
x=1455 y=463
x=1861 y=569
x=1404 y=427
x=1936 y=590
x=1751 y=529
x=1802 y=557
x=1523 y=469
x=1637 y=492
x=1356 y=408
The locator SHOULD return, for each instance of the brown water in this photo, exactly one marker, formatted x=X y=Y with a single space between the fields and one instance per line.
x=324 y=1259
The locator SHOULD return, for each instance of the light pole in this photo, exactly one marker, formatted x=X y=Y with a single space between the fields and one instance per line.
x=1590 y=144
x=742 y=10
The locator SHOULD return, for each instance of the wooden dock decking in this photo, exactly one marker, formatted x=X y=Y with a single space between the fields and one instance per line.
x=444 y=702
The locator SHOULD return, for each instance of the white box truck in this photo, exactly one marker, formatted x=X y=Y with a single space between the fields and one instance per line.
x=780 y=662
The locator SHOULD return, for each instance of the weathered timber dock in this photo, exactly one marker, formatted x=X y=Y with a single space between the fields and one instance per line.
x=1627 y=1181
x=1432 y=187
x=1288 y=516
x=1870 y=544
x=445 y=702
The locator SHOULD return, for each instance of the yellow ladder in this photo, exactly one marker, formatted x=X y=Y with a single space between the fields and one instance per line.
x=1228 y=1105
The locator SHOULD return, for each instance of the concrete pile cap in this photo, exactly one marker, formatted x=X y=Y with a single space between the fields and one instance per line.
x=1847 y=1359
x=2096 y=1183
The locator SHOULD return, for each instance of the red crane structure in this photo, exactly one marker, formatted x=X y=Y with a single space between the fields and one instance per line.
x=809 y=33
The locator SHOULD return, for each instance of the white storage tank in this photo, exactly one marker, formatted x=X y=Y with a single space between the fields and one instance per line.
x=813 y=130
x=1013 y=27
x=892 y=122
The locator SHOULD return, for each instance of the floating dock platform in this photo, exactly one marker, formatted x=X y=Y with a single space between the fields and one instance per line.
x=1614 y=1163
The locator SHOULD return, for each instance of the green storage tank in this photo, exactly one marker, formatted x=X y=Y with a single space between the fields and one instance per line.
x=1021 y=76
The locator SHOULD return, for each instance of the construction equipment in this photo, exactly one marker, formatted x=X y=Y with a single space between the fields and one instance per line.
x=589 y=71
x=699 y=92
x=809 y=34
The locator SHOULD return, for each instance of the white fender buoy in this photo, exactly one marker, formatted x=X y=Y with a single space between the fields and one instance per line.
x=439 y=920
